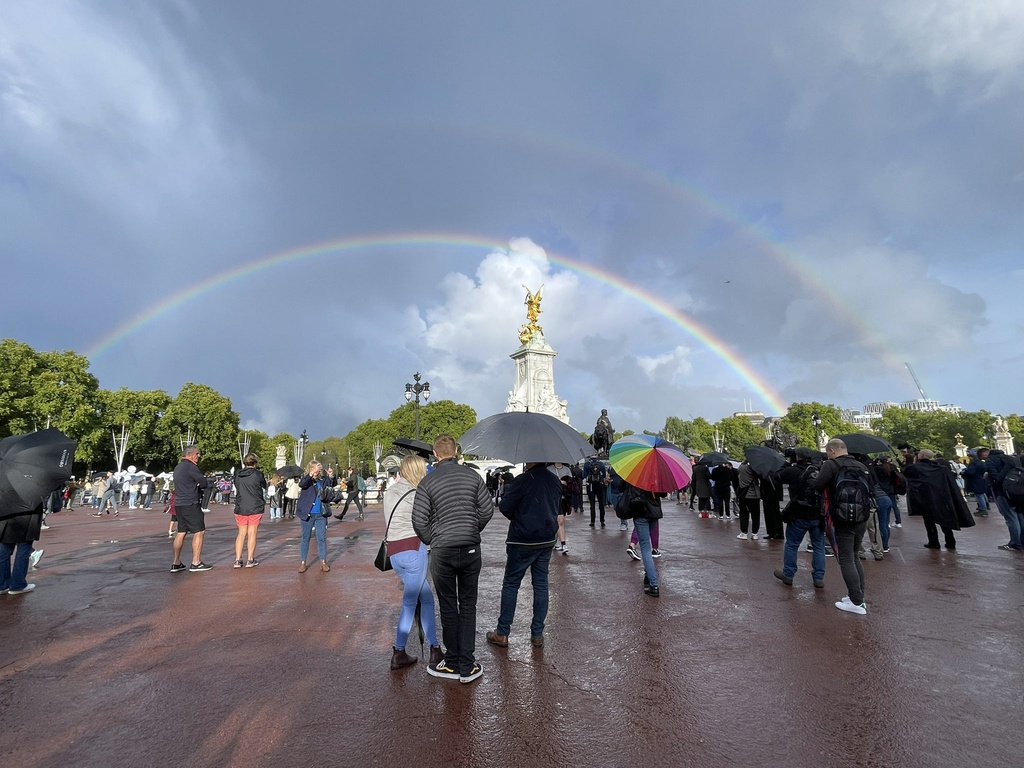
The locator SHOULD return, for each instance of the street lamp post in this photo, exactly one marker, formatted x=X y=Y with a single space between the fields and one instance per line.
x=816 y=422
x=415 y=390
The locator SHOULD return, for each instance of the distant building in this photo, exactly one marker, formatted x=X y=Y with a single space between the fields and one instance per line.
x=754 y=417
x=929 y=405
x=873 y=411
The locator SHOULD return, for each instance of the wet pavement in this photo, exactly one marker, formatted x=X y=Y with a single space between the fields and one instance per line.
x=114 y=661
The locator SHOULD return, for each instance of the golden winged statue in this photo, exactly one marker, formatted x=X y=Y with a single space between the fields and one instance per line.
x=533 y=310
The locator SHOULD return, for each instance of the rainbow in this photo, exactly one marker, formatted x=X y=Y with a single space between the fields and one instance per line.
x=801 y=269
x=659 y=306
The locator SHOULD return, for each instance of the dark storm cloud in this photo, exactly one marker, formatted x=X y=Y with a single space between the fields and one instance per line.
x=828 y=190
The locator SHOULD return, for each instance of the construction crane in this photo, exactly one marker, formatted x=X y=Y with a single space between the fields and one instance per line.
x=918 y=383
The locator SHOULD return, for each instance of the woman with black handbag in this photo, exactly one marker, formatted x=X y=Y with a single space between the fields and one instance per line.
x=408 y=557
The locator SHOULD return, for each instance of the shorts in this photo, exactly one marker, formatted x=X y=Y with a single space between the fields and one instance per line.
x=190 y=519
x=248 y=520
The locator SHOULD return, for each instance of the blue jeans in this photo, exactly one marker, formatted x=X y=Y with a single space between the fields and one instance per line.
x=982 y=499
x=884 y=508
x=319 y=523
x=15 y=578
x=456 y=572
x=896 y=509
x=1014 y=520
x=642 y=526
x=794 y=535
x=411 y=567
x=519 y=559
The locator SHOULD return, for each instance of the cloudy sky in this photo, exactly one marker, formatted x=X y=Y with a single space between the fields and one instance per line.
x=730 y=205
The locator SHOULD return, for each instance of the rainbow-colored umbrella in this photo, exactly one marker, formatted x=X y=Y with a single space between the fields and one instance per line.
x=650 y=463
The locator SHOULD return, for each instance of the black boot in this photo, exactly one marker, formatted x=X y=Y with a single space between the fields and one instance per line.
x=400 y=659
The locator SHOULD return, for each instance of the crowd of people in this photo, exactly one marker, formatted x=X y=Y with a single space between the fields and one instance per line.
x=844 y=504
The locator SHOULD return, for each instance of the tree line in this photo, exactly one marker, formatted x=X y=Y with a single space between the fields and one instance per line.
x=40 y=389
x=935 y=430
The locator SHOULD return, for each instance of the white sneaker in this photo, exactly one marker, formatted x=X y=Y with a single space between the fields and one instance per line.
x=741 y=536
x=44 y=527
x=850 y=607
x=899 y=525
x=753 y=536
x=28 y=588
x=33 y=559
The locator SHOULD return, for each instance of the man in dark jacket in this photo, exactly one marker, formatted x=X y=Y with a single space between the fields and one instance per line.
x=998 y=465
x=189 y=487
x=976 y=482
x=935 y=496
x=451 y=507
x=848 y=536
x=531 y=504
x=352 y=494
x=724 y=478
x=803 y=515
x=594 y=475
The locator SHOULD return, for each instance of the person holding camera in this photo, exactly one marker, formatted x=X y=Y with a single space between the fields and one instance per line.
x=313 y=514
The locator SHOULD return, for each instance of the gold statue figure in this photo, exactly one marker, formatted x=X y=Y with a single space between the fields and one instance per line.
x=533 y=310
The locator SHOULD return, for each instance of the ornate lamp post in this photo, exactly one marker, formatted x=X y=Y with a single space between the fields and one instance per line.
x=816 y=422
x=415 y=390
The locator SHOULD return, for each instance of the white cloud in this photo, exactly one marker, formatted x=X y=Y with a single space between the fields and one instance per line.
x=672 y=366
x=945 y=39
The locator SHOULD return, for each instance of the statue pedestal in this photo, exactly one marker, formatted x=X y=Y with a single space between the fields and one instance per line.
x=1003 y=438
x=535 y=380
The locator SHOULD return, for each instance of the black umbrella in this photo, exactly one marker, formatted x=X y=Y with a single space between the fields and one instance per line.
x=33 y=466
x=290 y=470
x=764 y=460
x=426 y=450
x=713 y=457
x=521 y=436
x=859 y=442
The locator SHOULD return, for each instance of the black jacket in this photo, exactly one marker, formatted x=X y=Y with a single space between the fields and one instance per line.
x=531 y=504
x=452 y=506
x=791 y=476
x=188 y=482
x=932 y=489
x=825 y=481
x=250 y=486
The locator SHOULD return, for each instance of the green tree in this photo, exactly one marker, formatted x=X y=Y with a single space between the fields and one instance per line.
x=697 y=435
x=362 y=439
x=140 y=412
x=437 y=418
x=214 y=425
x=40 y=388
x=798 y=421
x=738 y=433
x=934 y=430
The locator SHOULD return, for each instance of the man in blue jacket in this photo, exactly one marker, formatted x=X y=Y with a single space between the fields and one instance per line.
x=531 y=503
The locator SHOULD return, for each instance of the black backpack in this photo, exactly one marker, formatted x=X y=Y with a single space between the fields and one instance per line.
x=806 y=497
x=851 y=497
x=1013 y=485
